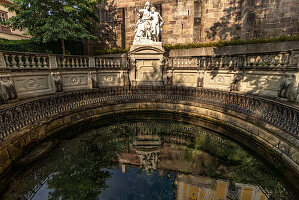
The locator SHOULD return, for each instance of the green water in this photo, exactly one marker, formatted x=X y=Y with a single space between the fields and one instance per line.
x=148 y=159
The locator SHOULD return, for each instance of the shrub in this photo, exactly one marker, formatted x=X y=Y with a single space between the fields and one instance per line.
x=111 y=51
x=231 y=42
x=73 y=47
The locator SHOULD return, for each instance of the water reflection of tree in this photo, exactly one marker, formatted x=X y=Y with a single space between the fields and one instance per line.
x=78 y=174
x=244 y=168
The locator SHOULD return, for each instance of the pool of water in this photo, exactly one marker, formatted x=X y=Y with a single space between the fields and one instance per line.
x=148 y=159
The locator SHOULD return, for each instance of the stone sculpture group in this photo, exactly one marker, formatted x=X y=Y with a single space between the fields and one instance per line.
x=149 y=25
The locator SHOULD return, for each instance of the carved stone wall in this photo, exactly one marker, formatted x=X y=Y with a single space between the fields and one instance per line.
x=29 y=84
x=147 y=64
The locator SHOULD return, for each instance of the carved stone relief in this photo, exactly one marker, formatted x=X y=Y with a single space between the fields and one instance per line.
x=185 y=78
x=126 y=78
x=25 y=83
x=7 y=89
x=200 y=79
x=110 y=78
x=287 y=86
x=169 y=78
x=57 y=81
x=235 y=86
x=75 y=81
x=218 y=80
x=94 y=80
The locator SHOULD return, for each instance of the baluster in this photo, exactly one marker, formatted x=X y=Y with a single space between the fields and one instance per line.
x=85 y=62
x=39 y=64
x=21 y=64
x=27 y=63
x=63 y=62
x=68 y=63
x=7 y=60
x=77 y=62
x=14 y=62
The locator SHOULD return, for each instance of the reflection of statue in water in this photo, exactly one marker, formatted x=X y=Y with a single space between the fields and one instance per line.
x=149 y=25
x=149 y=160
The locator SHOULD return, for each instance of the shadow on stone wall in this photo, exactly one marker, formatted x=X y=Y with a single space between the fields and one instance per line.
x=105 y=28
x=254 y=19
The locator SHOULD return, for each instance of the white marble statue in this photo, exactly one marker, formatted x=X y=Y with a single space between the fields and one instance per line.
x=149 y=25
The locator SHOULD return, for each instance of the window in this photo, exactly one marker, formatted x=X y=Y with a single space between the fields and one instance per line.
x=3 y=19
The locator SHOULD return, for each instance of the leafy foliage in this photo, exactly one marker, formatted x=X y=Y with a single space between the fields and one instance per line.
x=73 y=47
x=231 y=42
x=111 y=51
x=48 y=20
x=209 y=44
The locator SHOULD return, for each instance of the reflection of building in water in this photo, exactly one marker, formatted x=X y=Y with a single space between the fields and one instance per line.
x=201 y=188
x=162 y=147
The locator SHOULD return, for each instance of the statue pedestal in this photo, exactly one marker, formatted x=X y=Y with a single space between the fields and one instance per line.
x=147 y=63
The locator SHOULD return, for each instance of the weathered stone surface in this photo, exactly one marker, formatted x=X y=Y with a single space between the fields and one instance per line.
x=236 y=49
x=147 y=64
x=189 y=21
x=5 y=160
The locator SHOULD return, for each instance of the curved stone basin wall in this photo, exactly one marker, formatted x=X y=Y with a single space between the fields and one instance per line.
x=241 y=117
x=44 y=94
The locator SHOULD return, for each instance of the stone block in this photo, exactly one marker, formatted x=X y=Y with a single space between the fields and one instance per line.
x=76 y=80
x=33 y=84
x=110 y=78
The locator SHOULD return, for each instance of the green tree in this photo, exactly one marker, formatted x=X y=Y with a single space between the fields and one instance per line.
x=53 y=20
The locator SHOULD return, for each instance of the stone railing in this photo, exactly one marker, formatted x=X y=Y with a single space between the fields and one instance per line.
x=279 y=59
x=18 y=60
x=15 y=60
x=18 y=116
x=272 y=74
x=72 y=61
x=112 y=63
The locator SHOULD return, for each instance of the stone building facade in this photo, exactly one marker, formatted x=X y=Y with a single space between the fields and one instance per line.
x=192 y=21
x=5 y=31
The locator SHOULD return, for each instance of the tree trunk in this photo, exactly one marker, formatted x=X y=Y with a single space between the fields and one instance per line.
x=63 y=47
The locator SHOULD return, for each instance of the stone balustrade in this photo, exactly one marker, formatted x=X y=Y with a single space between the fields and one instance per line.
x=226 y=88
x=272 y=74
x=16 y=60
x=72 y=61
x=280 y=59
x=112 y=63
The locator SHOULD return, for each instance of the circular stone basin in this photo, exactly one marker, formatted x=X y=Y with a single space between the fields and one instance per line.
x=147 y=160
